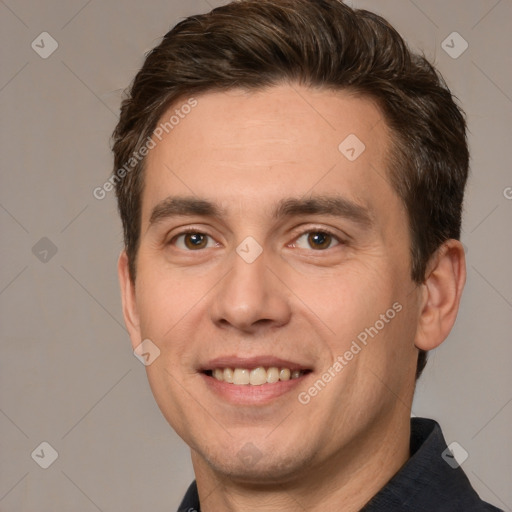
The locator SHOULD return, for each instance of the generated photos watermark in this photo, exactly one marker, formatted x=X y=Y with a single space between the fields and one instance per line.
x=149 y=144
x=341 y=361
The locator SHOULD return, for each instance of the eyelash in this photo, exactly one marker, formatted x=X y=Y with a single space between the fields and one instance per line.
x=323 y=231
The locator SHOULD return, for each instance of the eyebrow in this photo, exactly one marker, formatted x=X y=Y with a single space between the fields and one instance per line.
x=332 y=205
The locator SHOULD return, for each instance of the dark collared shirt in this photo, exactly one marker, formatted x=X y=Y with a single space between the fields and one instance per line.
x=425 y=483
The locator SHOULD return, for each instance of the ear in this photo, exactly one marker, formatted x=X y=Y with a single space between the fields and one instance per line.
x=130 y=313
x=442 y=290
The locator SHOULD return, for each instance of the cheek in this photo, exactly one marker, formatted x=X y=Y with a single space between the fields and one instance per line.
x=166 y=299
x=348 y=300
x=168 y=394
x=364 y=315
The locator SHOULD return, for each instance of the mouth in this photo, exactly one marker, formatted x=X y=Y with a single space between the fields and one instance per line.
x=255 y=376
x=253 y=381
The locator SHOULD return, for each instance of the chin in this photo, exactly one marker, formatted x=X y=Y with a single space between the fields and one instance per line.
x=251 y=465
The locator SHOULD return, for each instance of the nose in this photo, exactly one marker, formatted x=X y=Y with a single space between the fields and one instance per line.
x=251 y=298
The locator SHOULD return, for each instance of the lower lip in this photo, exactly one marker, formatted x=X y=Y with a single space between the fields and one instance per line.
x=249 y=394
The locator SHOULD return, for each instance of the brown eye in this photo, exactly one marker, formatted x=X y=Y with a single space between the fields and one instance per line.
x=317 y=240
x=193 y=241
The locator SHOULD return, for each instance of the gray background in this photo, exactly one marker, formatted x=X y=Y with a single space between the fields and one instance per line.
x=68 y=375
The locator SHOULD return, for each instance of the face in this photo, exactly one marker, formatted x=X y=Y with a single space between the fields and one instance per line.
x=274 y=251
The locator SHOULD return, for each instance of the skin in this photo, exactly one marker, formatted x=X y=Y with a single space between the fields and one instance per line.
x=246 y=151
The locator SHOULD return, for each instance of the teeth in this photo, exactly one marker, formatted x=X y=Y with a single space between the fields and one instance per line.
x=258 y=376
x=284 y=374
x=227 y=374
x=272 y=375
x=255 y=376
x=241 y=376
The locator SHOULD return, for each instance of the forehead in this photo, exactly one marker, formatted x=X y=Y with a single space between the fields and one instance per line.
x=245 y=150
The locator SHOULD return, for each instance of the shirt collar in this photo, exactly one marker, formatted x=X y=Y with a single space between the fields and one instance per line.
x=430 y=480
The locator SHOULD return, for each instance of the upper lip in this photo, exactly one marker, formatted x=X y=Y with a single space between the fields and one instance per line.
x=252 y=362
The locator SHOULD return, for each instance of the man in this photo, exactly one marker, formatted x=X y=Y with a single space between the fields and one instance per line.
x=290 y=180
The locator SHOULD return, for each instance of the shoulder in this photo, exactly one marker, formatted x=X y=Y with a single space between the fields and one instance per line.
x=431 y=479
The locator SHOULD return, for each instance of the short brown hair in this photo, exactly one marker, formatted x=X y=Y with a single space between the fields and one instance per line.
x=253 y=44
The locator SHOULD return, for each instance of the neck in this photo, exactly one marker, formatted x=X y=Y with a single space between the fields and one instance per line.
x=349 y=479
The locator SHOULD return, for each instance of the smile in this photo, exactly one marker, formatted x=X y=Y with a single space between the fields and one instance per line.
x=255 y=376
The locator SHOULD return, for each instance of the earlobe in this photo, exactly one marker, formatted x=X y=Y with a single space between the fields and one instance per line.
x=130 y=313
x=443 y=287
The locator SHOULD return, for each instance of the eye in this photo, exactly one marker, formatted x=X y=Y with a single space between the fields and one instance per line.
x=192 y=241
x=317 y=240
